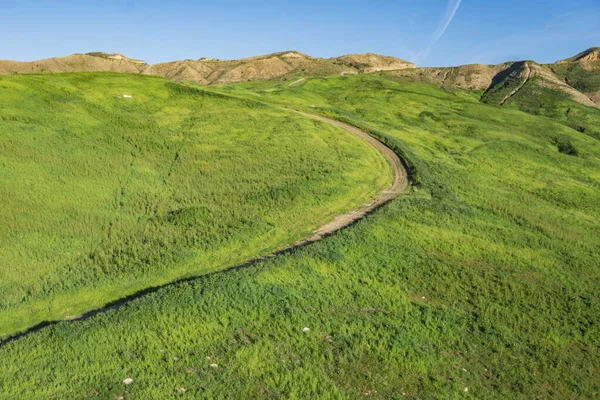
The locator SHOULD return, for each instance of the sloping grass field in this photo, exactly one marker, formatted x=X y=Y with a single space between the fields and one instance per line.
x=535 y=99
x=104 y=194
x=482 y=282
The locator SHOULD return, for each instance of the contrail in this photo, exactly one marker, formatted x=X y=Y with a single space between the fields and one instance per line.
x=453 y=6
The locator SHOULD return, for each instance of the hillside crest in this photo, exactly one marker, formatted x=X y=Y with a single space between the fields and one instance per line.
x=114 y=57
x=589 y=55
x=281 y=65
x=576 y=77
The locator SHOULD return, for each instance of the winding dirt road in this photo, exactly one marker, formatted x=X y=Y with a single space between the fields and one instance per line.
x=398 y=186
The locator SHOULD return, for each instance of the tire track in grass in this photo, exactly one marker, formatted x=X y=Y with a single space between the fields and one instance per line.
x=299 y=81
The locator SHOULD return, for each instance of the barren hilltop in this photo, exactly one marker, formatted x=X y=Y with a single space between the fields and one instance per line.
x=75 y=63
x=577 y=77
x=589 y=55
x=211 y=71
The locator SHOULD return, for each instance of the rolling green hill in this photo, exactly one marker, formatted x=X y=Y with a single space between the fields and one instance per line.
x=582 y=72
x=532 y=88
x=538 y=99
x=555 y=90
x=112 y=184
x=482 y=282
x=565 y=91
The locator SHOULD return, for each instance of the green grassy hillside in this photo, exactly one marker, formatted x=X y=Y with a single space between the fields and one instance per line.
x=583 y=76
x=104 y=195
x=533 y=89
x=481 y=283
x=535 y=98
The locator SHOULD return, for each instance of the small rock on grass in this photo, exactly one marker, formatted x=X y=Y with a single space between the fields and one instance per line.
x=306 y=330
x=127 y=381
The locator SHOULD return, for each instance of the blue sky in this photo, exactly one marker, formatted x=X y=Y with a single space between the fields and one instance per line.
x=429 y=32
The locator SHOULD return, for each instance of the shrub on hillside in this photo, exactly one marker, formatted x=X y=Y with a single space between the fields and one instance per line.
x=566 y=147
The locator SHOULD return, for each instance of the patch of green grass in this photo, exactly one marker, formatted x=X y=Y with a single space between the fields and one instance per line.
x=484 y=278
x=585 y=78
x=104 y=195
x=535 y=99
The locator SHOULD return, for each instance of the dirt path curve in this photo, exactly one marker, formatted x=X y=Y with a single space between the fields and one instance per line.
x=297 y=82
x=399 y=185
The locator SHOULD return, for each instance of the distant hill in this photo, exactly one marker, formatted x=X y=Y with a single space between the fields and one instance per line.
x=115 y=57
x=289 y=64
x=509 y=82
x=581 y=72
x=535 y=89
x=578 y=77
x=261 y=68
x=368 y=63
x=75 y=63
x=592 y=54
x=466 y=77
x=564 y=91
